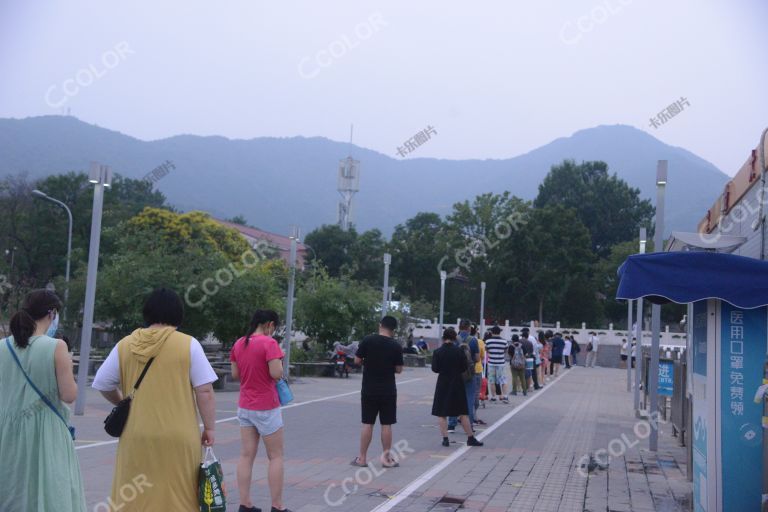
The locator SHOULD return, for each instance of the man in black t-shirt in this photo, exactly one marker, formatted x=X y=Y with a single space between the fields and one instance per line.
x=381 y=357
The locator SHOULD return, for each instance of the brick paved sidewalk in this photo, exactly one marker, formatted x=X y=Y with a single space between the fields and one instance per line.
x=532 y=462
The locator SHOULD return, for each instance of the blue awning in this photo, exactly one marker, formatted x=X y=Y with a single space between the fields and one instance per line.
x=685 y=277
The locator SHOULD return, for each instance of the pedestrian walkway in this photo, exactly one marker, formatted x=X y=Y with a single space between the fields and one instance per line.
x=530 y=462
x=533 y=462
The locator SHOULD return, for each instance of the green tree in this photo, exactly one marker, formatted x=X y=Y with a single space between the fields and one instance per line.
x=331 y=247
x=556 y=255
x=331 y=309
x=238 y=219
x=485 y=232
x=607 y=281
x=611 y=210
x=200 y=259
x=366 y=257
x=34 y=231
x=417 y=248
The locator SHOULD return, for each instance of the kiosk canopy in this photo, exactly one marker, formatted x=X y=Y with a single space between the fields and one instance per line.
x=685 y=277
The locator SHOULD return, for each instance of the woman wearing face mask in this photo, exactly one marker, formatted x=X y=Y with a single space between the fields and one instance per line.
x=38 y=466
x=257 y=363
x=159 y=453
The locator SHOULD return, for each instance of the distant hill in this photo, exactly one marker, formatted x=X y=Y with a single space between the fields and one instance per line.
x=276 y=182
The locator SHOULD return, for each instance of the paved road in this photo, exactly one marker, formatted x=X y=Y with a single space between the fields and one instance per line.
x=530 y=458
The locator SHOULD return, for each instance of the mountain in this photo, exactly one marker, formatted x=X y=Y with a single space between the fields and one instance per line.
x=276 y=182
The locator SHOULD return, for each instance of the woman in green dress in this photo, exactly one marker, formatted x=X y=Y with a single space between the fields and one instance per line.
x=38 y=466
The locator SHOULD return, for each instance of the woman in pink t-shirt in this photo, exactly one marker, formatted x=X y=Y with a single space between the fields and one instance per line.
x=257 y=363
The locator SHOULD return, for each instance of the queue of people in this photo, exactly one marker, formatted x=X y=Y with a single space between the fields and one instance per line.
x=169 y=381
x=521 y=364
x=160 y=448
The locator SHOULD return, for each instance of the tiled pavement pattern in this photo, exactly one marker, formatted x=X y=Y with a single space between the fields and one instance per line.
x=529 y=463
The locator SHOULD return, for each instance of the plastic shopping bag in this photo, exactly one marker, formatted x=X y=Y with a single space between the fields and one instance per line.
x=210 y=488
x=484 y=389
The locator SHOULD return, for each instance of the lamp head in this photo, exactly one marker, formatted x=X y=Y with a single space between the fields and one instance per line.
x=100 y=174
x=39 y=193
x=661 y=172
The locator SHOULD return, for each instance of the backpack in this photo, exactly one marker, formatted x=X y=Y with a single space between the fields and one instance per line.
x=469 y=373
x=518 y=358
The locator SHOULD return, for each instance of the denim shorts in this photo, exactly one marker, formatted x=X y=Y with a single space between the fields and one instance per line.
x=265 y=422
x=497 y=374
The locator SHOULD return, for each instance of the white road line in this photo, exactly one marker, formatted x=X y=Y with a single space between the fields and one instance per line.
x=299 y=404
x=428 y=475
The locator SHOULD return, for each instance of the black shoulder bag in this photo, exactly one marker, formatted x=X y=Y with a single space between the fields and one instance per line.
x=115 y=422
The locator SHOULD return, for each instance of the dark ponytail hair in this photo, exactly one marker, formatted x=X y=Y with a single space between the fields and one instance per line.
x=261 y=317
x=37 y=304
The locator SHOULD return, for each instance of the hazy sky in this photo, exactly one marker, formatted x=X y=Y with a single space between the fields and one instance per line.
x=495 y=79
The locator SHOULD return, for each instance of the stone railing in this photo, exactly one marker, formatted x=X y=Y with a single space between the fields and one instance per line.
x=610 y=336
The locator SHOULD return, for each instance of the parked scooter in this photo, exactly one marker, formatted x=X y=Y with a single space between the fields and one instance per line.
x=343 y=358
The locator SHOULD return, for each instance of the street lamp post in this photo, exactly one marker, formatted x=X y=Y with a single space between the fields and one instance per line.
x=289 y=303
x=629 y=346
x=482 y=308
x=639 y=335
x=101 y=177
x=385 y=299
x=653 y=370
x=43 y=195
x=443 y=277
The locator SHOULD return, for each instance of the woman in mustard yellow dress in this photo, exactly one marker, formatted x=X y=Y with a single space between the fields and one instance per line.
x=159 y=452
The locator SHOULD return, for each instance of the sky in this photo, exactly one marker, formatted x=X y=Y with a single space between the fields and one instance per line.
x=490 y=79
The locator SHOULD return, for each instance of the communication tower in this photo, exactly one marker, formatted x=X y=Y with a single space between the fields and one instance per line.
x=348 y=186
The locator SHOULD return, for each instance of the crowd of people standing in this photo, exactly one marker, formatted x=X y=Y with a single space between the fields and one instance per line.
x=159 y=451
x=161 y=440
x=532 y=361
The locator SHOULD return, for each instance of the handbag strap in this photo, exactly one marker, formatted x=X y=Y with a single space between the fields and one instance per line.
x=32 y=384
x=143 y=373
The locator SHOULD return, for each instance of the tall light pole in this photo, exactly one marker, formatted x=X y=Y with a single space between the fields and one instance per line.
x=289 y=303
x=443 y=277
x=629 y=345
x=43 y=195
x=653 y=370
x=101 y=177
x=639 y=335
x=482 y=308
x=385 y=299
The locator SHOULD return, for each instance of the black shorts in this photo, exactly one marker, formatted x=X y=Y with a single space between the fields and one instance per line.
x=623 y=357
x=383 y=406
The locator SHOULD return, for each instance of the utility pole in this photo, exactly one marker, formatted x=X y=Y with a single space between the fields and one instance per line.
x=101 y=177
x=653 y=370
x=289 y=302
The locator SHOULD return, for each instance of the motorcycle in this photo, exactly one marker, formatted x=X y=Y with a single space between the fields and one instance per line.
x=340 y=367
x=343 y=358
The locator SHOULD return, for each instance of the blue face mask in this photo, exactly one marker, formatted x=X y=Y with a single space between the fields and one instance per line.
x=54 y=326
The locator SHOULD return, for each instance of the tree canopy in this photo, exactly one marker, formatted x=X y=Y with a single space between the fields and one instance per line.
x=611 y=210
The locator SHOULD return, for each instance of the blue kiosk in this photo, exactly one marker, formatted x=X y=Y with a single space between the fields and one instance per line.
x=727 y=360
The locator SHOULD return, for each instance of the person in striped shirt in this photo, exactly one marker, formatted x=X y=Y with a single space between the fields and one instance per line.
x=496 y=348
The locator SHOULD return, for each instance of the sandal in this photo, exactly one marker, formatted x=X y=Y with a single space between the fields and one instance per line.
x=393 y=464
x=356 y=462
